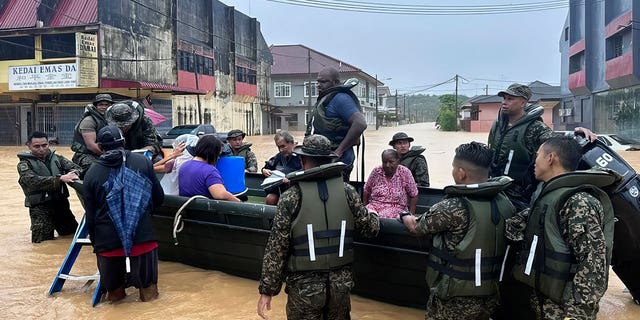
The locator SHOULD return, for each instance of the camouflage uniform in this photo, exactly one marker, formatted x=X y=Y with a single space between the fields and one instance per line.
x=416 y=162
x=250 y=161
x=308 y=291
x=450 y=217
x=580 y=223
x=54 y=213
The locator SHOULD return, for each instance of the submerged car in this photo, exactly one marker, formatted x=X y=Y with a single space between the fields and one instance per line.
x=195 y=129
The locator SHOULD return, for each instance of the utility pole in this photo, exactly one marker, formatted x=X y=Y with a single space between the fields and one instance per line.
x=377 y=102
x=397 y=120
x=195 y=60
x=404 y=107
x=456 y=108
x=486 y=90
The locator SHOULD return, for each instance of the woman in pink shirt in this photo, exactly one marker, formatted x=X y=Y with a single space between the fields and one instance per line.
x=390 y=188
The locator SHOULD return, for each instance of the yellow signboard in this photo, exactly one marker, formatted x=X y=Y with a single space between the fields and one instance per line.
x=87 y=58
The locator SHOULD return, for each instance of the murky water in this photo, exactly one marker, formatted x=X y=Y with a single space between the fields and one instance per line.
x=191 y=293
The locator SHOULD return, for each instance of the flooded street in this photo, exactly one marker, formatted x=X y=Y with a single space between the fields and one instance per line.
x=192 y=293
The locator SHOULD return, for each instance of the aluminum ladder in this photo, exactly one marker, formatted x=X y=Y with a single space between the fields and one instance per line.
x=80 y=239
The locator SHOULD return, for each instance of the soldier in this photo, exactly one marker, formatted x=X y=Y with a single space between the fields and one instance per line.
x=514 y=138
x=43 y=175
x=411 y=157
x=84 y=135
x=235 y=138
x=464 y=265
x=318 y=272
x=569 y=234
x=337 y=116
x=138 y=129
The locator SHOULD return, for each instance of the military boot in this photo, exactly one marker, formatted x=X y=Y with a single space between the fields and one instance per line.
x=149 y=293
x=116 y=295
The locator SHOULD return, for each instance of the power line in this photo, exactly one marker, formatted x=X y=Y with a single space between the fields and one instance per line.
x=416 y=9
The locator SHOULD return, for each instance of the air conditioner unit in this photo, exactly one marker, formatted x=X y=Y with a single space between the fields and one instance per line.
x=560 y=112
x=568 y=112
x=301 y=102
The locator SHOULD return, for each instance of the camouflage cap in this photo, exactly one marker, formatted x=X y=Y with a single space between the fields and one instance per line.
x=121 y=115
x=102 y=97
x=315 y=145
x=517 y=90
x=400 y=136
x=235 y=133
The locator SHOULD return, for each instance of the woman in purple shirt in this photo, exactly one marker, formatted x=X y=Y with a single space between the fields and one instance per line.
x=199 y=176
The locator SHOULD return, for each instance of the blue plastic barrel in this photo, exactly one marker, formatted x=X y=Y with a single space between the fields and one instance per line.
x=232 y=171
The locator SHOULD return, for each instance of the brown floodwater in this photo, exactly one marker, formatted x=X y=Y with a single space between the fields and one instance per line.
x=192 y=293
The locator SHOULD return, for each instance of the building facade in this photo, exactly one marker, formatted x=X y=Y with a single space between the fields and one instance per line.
x=294 y=92
x=197 y=61
x=601 y=67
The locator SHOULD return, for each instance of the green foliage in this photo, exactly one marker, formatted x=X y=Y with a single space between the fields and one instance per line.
x=447 y=119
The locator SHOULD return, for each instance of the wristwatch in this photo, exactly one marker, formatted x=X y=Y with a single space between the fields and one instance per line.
x=403 y=214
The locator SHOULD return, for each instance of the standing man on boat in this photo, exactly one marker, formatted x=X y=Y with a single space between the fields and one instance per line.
x=464 y=265
x=84 y=135
x=337 y=116
x=411 y=157
x=311 y=241
x=567 y=234
x=43 y=178
x=240 y=148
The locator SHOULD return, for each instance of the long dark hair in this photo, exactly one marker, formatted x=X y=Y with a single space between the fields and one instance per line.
x=209 y=148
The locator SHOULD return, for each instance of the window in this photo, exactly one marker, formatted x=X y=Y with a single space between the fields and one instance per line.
x=363 y=90
x=245 y=75
x=314 y=89
x=576 y=62
x=190 y=62
x=58 y=45
x=282 y=89
x=566 y=34
x=17 y=48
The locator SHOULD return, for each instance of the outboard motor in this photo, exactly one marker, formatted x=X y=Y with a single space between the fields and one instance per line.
x=625 y=199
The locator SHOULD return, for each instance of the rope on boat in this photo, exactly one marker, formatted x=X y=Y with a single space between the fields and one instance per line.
x=178 y=224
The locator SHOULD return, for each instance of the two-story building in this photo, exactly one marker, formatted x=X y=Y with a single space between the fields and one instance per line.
x=294 y=91
x=601 y=67
x=198 y=61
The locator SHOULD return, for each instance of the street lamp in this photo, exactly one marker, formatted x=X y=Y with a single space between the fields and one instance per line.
x=377 y=99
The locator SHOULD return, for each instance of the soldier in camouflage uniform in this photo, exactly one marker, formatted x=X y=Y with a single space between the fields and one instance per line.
x=84 y=135
x=235 y=139
x=453 y=292
x=575 y=239
x=411 y=157
x=43 y=175
x=514 y=138
x=318 y=285
x=138 y=129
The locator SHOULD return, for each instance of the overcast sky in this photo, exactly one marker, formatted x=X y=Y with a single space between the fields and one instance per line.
x=417 y=51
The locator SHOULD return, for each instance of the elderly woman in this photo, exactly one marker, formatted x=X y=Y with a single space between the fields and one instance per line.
x=183 y=151
x=390 y=188
x=199 y=176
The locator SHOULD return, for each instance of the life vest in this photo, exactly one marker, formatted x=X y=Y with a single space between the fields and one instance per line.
x=414 y=153
x=50 y=167
x=510 y=155
x=134 y=138
x=333 y=128
x=545 y=261
x=475 y=266
x=78 y=144
x=322 y=231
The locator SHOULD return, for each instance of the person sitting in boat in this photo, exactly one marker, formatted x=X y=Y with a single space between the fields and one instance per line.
x=238 y=147
x=411 y=157
x=285 y=162
x=169 y=182
x=467 y=227
x=199 y=176
x=311 y=241
x=390 y=188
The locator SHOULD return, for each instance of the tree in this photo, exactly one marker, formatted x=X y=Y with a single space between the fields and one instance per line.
x=447 y=117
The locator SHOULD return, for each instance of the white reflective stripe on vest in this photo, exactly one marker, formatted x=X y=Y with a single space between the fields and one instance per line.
x=506 y=168
x=532 y=253
x=478 y=267
x=312 y=247
x=343 y=229
x=504 y=261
